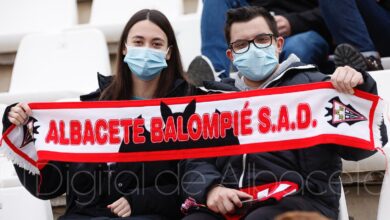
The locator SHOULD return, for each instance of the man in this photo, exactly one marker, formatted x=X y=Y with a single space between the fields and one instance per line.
x=299 y=22
x=254 y=48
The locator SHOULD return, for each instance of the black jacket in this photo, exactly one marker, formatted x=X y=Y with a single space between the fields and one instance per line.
x=316 y=170
x=303 y=15
x=90 y=187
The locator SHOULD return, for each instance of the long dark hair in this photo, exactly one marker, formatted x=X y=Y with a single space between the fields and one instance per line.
x=122 y=83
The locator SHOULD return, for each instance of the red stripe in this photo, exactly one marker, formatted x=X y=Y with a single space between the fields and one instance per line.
x=206 y=152
x=201 y=98
x=16 y=149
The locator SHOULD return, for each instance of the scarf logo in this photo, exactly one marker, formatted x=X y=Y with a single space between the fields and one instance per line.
x=341 y=113
x=28 y=132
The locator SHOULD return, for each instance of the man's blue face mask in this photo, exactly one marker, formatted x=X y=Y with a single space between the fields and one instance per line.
x=144 y=62
x=256 y=64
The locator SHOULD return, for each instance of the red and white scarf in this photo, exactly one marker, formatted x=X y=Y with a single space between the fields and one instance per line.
x=194 y=127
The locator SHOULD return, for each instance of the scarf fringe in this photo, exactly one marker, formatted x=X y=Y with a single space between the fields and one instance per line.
x=18 y=160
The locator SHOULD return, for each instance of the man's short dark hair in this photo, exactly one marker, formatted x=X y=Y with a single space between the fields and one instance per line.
x=248 y=13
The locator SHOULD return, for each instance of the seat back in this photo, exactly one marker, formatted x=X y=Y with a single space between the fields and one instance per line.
x=18 y=203
x=343 y=209
x=66 y=61
x=20 y=17
x=105 y=12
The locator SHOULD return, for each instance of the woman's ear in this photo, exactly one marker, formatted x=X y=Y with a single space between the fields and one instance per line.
x=169 y=53
x=124 y=50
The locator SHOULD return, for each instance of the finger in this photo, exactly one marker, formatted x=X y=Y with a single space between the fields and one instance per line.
x=26 y=108
x=14 y=121
x=229 y=206
x=16 y=117
x=127 y=214
x=333 y=79
x=118 y=208
x=123 y=211
x=357 y=79
x=21 y=112
x=339 y=78
x=243 y=195
x=236 y=200
x=348 y=80
x=221 y=208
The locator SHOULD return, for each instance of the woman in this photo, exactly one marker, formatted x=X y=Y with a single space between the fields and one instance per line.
x=148 y=66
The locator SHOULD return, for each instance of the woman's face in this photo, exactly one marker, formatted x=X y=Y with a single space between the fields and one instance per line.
x=147 y=34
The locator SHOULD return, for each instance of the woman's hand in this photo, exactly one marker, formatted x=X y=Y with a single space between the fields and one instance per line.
x=120 y=207
x=19 y=114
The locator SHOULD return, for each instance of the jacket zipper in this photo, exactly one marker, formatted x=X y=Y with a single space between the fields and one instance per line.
x=241 y=180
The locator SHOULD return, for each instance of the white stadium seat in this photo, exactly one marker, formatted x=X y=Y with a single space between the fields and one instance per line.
x=17 y=203
x=52 y=66
x=8 y=177
x=376 y=162
x=21 y=17
x=385 y=62
x=384 y=200
x=110 y=16
x=343 y=209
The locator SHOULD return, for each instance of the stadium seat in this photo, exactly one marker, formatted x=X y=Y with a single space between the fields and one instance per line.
x=343 y=210
x=384 y=200
x=17 y=203
x=21 y=17
x=110 y=16
x=52 y=66
x=8 y=177
x=377 y=161
x=385 y=62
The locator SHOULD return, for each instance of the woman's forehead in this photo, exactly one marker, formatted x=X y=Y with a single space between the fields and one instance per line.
x=147 y=30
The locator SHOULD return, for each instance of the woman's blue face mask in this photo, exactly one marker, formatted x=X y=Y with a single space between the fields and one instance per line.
x=145 y=63
x=256 y=64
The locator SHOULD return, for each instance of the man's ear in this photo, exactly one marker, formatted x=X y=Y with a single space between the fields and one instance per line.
x=229 y=54
x=169 y=53
x=279 y=44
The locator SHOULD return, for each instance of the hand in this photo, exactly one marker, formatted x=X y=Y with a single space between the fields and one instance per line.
x=224 y=200
x=19 y=114
x=344 y=79
x=284 y=27
x=120 y=207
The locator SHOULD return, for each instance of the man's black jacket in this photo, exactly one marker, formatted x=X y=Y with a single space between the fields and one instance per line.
x=316 y=170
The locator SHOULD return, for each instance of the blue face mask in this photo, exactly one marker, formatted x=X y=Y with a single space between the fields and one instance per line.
x=256 y=64
x=144 y=62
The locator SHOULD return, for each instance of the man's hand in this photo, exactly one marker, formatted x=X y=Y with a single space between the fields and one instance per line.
x=120 y=207
x=344 y=79
x=283 y=25
x=224 y=200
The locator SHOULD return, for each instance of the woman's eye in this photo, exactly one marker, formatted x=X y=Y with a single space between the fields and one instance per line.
x=137 y=43
x=157 y=45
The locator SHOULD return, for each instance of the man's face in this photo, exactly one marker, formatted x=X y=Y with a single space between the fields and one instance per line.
x=249 y=30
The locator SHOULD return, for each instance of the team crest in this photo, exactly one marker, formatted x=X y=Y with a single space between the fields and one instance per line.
x=341 y=112
x=28 y=132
